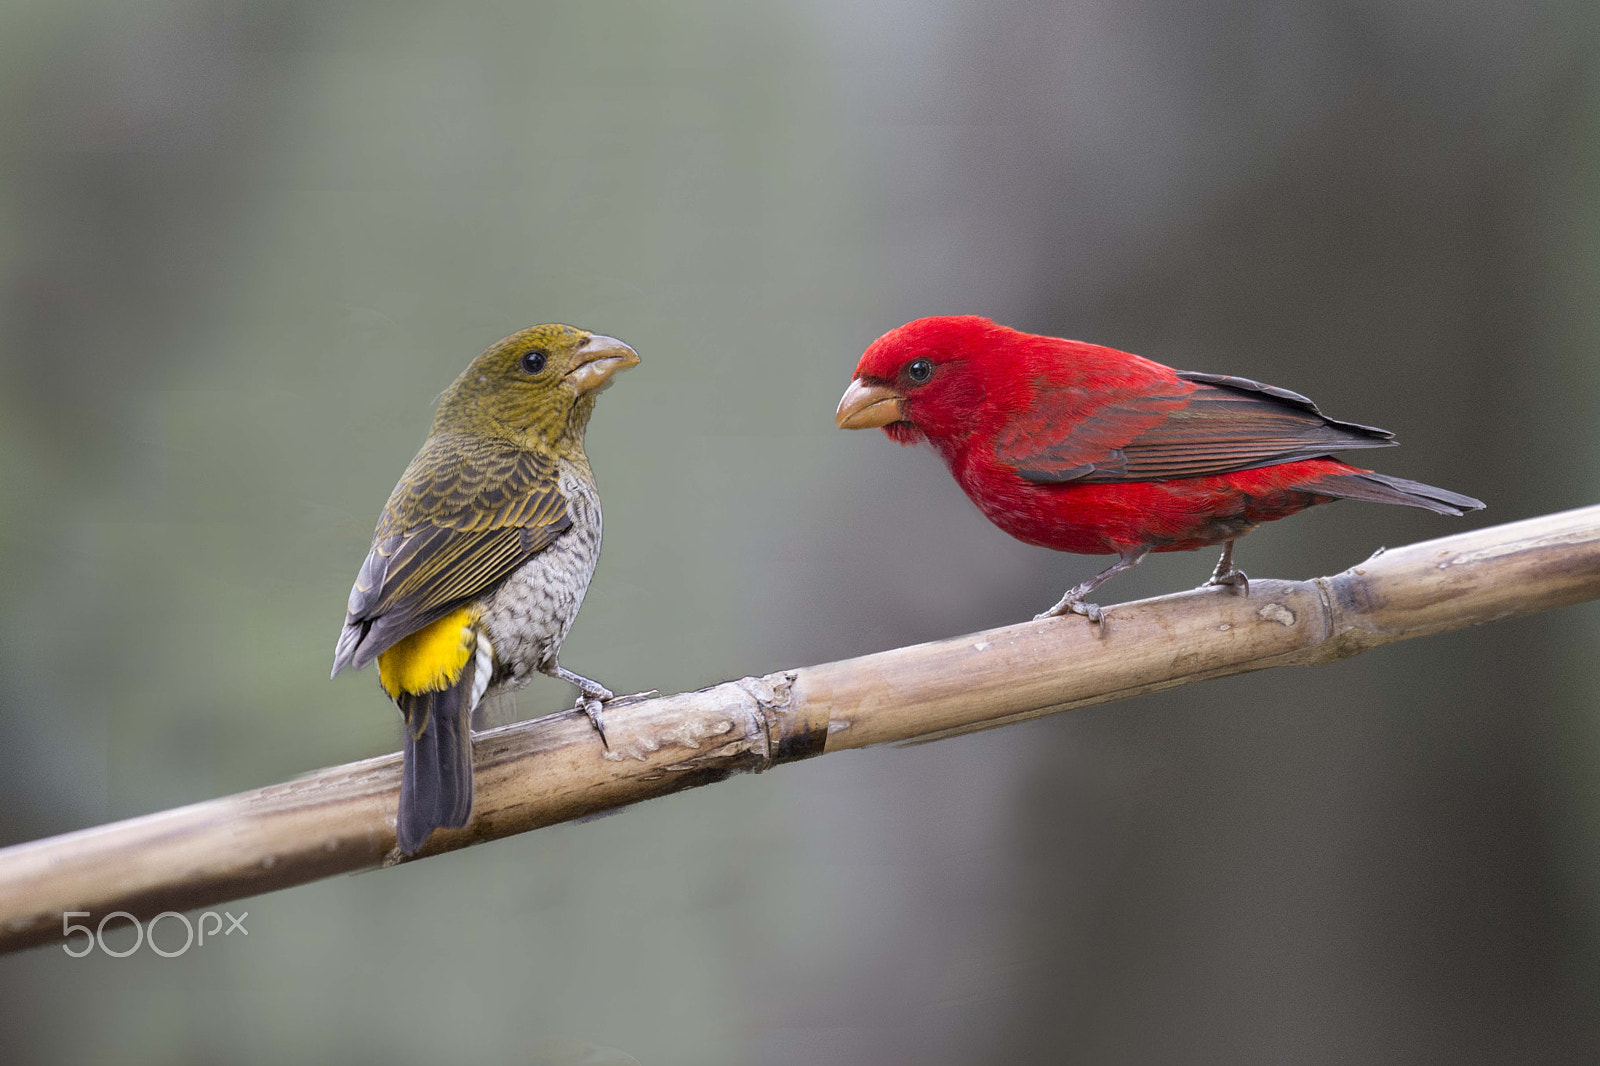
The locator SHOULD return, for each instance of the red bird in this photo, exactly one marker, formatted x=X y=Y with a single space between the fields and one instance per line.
x=1090 y=450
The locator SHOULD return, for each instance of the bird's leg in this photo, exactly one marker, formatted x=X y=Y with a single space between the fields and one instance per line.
x=1228 y=574
x=1073 y=600
x=591 y=695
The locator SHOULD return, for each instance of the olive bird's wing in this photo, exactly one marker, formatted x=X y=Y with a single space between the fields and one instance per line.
x=466 y=514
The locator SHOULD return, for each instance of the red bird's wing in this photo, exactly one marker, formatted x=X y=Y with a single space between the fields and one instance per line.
x=1197 y=425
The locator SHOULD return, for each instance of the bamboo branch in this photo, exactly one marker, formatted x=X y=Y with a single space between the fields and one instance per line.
x=537 y=773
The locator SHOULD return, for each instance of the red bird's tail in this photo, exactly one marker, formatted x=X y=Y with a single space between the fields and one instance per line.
x=1381 y=488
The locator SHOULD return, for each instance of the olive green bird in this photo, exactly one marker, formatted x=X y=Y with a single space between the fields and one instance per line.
x=482 y=557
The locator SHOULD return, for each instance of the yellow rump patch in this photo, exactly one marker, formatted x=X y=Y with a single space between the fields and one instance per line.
x=431 y=659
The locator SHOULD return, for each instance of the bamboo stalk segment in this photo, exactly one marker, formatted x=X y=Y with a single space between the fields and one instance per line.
x=533 y=774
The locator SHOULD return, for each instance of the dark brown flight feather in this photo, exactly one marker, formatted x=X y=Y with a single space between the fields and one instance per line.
x=1221 y=425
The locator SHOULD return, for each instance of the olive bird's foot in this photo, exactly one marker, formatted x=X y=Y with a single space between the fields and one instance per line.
x=591 y=694
x=593 y=707
x=1232 y=579
x=592 y=703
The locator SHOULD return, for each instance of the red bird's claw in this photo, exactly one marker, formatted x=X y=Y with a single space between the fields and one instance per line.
x=1233 y=579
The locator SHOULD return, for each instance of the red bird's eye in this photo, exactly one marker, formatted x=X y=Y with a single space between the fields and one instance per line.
x=919 y=370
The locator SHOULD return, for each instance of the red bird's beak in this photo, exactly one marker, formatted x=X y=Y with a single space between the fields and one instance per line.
x=866 y=406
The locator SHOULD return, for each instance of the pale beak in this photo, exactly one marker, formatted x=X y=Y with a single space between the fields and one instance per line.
x=601 y=357
x=864 y=406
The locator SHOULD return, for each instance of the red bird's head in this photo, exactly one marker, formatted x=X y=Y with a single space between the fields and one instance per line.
x=942 y=378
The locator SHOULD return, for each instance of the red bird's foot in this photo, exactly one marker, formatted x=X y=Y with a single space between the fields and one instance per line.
x=1234 y=578
x=1227 y=574
x=1068 y=605
x=1073 y=602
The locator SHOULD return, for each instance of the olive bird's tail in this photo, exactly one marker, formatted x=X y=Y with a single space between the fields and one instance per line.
x=436 y=786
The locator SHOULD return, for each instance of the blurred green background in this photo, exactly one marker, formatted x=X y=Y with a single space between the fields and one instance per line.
x=244 y=245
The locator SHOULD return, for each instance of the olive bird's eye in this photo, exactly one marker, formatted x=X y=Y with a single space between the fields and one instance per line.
x=533 y=362
x=920 y=370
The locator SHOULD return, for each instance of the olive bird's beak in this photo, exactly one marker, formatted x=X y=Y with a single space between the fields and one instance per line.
x=864 y=406
x=599 y=358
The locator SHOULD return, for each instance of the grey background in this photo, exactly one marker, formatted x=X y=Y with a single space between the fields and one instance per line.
x=243 y=245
